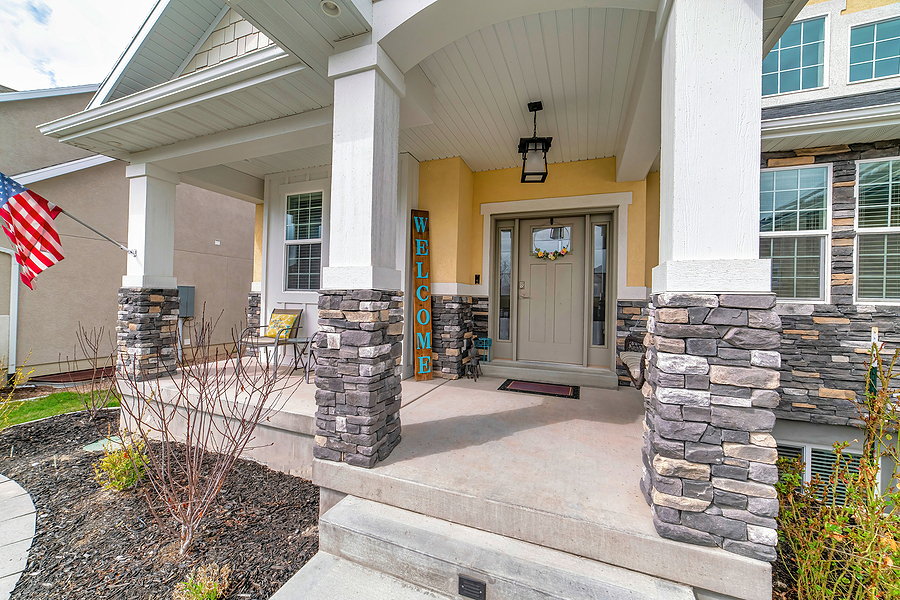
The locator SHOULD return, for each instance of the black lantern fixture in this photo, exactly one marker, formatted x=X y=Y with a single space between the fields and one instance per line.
x=534 y=151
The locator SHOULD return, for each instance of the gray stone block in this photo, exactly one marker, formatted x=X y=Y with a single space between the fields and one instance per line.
x=753 y=339
x=743 y=419
x=680 y=533
x=721 y=526
x=703 y=453
x=727 y=316
x=757 y=301
x=751 y=550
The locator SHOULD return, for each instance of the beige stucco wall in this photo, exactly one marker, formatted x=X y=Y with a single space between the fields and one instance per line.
x=221 y=274
x=22 y=147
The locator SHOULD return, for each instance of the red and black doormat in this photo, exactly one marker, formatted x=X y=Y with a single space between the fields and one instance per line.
x=542 y=389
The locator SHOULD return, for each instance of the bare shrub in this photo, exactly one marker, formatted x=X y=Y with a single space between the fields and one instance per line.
x=101 y=386
x=196 y=423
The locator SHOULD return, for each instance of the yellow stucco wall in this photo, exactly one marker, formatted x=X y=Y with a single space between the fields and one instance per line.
x=454 y=195
x=860 y=5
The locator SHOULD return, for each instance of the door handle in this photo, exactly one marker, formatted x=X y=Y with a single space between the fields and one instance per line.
x=521 y=297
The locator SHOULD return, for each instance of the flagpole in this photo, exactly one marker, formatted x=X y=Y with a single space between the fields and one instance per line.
x=104 y=236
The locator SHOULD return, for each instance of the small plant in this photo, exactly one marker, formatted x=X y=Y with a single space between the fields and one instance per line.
x=121 y=468
x=10 y=384
x=204 y=583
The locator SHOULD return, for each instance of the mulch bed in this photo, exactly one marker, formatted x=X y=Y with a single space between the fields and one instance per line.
x=94 y=543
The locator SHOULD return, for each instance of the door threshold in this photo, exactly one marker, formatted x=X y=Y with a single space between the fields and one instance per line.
x=552 y=373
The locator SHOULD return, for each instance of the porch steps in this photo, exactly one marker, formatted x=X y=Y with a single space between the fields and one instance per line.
x=366 y=540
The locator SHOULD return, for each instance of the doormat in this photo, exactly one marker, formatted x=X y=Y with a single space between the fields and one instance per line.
x=542 y=389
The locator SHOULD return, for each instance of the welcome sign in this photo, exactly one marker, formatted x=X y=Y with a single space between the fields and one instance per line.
x=421 y=269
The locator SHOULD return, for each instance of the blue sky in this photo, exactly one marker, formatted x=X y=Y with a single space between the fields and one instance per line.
x=58 y=43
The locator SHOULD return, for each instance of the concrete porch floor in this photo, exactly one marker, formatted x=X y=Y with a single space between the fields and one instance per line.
x=561 y=473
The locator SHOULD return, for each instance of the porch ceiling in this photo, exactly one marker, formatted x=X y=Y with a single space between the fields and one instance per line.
x=581 y=63
x=304 y=158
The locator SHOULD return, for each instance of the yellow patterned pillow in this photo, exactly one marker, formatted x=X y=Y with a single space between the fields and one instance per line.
x=279 y=322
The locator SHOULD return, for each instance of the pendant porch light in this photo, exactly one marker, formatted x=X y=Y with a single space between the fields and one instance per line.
x=534 y=151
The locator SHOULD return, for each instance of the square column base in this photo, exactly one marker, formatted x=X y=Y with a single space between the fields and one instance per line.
x=358 y=355
x=147 y=332
x=708 y=454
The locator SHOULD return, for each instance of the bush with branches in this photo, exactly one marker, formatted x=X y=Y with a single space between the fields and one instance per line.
x=849 y=550
x=101 y=386
x=195 y=424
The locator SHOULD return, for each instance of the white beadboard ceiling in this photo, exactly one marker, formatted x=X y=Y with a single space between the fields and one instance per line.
x=580 y=63
x=286 y=161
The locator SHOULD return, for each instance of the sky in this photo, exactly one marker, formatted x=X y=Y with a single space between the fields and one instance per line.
x=60 y=43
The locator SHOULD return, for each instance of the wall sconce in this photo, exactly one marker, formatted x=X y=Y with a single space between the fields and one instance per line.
x=534 y=151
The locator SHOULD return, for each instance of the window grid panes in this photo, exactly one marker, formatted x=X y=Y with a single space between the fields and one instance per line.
x=796 y=266
x=879 y=194
x=303 y=247
x=793 y=200
x=797 y=62
x=875 y=50
x=878 y=268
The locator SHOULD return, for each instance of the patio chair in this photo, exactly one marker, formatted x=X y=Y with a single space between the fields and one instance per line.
x=280 y=331
x=634 y=359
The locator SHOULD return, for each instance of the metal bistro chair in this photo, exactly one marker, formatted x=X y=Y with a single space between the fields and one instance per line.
x=304 y=353
x=251 y=337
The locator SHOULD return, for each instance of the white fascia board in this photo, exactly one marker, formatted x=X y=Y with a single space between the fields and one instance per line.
x=839 y=120
x=48 y=93
x=215 y=81
x=109 y=84
x=61 y=169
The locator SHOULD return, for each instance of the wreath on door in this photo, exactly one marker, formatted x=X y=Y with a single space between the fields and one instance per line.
x=544 y=255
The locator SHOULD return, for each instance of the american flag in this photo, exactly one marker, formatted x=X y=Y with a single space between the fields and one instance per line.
x=28 y=221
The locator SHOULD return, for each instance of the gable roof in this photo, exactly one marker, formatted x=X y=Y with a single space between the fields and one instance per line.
x=167 y=40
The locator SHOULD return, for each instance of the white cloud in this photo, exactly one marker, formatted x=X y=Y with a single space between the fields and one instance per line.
x=57 y=43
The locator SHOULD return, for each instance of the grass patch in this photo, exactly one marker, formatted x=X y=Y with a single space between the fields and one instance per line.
x=54 y=404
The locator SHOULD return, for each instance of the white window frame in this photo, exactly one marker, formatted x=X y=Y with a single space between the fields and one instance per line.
x=862 y=231
x=824 y=234
x=849 y=46
x=826 y=41
x=304 y=242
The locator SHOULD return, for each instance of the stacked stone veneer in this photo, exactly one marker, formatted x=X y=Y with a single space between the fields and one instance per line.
x=358 y=350
x=254 y=302
x=824 y=346
x=480 y=316
x=631 y=319
x=146 y=332
x=451 y=326
x=709 y=457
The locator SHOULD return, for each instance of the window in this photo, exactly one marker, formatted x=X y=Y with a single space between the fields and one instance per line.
x=505 y=283
x=598 y=308
x=878 y=246
x=875 y=50
x=303 y=241
x=793 y=224
x=819 y=462
x=797 y=62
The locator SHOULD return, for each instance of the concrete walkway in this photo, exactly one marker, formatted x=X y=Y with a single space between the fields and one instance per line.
x=17 y=520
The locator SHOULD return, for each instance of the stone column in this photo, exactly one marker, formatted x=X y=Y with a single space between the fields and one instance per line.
x=358 y=351
x=360 y=308
x=147 y=321
x=709 y=456
x=713 y=338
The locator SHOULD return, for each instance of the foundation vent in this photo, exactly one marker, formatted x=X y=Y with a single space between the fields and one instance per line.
x=470 y=588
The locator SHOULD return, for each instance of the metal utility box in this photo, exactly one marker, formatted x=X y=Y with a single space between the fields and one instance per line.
x=185 y=301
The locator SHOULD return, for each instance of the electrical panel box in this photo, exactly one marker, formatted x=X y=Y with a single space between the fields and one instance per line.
x=185 y=301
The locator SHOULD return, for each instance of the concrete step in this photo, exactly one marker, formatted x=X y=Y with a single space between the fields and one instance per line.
x=431 y=553
x=328 y=577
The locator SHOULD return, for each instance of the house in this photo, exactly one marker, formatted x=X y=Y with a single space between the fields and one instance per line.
x=212 y=251
x=642 y=212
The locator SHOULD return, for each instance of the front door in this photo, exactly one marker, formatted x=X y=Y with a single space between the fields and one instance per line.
x=551 y=317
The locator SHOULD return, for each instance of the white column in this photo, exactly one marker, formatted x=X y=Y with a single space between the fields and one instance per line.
x=709 y=169
x=364 y=208
x=151 y=226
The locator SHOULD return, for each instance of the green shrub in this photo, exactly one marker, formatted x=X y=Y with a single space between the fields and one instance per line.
x=121 y=467
x=204 y=583
x=847 y=551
